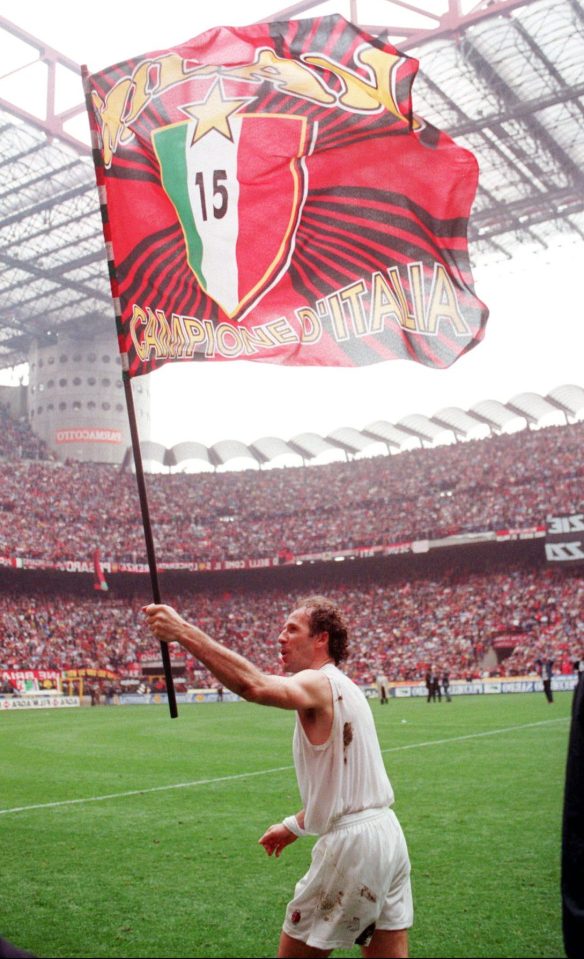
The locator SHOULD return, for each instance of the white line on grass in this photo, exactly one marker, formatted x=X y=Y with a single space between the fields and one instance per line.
x=459 y=739
x=264 y=772
x=141 y=792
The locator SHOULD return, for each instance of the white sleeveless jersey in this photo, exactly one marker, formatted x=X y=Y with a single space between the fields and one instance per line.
x=345 y=774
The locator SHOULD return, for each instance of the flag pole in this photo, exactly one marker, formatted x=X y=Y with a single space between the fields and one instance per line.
x=150 y=551
x=100 y=181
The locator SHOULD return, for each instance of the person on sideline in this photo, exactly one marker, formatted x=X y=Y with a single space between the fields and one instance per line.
x=546 y=670
x=357 y=889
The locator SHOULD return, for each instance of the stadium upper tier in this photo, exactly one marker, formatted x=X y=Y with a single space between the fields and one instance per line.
x=55 y=513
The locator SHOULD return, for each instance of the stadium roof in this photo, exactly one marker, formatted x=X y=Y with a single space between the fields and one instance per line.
x=561 y=406
x=503 y=77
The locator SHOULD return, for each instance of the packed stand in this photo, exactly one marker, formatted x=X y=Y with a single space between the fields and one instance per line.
x=398 y=628
x=17 y=440
x=63 y=511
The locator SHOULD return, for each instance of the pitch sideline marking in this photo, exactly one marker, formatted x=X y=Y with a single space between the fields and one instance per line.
x=264 y=772
x=459 y=739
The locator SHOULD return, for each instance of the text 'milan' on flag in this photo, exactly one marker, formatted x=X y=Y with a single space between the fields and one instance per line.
x=269 y=194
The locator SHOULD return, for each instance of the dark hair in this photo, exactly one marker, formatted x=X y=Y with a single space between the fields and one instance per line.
x=325 y=617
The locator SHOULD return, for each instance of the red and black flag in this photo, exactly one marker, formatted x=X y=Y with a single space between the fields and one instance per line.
x=269 y=194
x=99 y=580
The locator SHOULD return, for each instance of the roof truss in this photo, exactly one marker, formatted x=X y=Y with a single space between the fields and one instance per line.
x=503 y=77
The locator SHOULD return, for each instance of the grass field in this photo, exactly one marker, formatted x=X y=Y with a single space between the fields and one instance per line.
x=127 y=834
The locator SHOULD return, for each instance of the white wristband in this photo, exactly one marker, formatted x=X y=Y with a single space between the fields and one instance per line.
x=291 y=823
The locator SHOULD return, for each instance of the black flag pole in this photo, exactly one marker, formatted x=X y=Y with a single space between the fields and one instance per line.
x=100 y=181
x=150 y=551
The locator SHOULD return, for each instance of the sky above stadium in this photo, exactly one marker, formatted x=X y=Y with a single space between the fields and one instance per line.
x=535 y=334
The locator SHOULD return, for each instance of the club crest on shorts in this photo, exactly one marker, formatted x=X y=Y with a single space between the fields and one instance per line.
x=222 y=170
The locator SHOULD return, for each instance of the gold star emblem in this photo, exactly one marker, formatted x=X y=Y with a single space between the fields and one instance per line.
x=213 y=112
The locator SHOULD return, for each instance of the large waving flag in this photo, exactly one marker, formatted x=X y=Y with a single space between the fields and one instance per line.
x=269 y=194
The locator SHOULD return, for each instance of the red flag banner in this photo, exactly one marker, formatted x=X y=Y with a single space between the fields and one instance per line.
x=99 y=580
x=269 y=194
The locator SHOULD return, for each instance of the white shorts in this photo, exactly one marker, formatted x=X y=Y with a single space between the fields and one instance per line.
x=358 y=881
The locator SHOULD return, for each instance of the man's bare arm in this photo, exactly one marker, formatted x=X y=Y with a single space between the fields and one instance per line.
x=306 y=690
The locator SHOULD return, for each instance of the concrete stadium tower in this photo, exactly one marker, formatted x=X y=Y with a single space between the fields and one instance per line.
x=76 y=401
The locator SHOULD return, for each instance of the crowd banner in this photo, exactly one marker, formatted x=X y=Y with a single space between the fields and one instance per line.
x=480 y=687
x=192 y=696
x=269 y=562
x=38 y=702
x=26 y=682
x=564 y=542
x=400 y=690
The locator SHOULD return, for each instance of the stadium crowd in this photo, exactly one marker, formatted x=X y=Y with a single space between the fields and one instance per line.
x=55 y=511
x=17 y=440
x=398 y=628
x=64 y=511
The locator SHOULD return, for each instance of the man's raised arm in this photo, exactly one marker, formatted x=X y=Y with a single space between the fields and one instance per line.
x=305 y=690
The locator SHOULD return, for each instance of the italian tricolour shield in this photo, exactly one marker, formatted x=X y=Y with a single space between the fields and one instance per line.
x=238 y=193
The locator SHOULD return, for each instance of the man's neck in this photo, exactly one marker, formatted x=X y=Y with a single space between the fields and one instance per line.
x=320 y=663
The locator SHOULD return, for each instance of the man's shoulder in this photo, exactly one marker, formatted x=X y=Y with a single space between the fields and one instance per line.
x=341 y=680
x=311 y=677
x=315 y=687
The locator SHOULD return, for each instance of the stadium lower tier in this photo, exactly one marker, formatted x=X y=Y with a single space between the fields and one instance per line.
x=490 y=618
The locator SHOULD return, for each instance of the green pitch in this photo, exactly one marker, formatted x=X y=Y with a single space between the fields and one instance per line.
x=127 y=834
